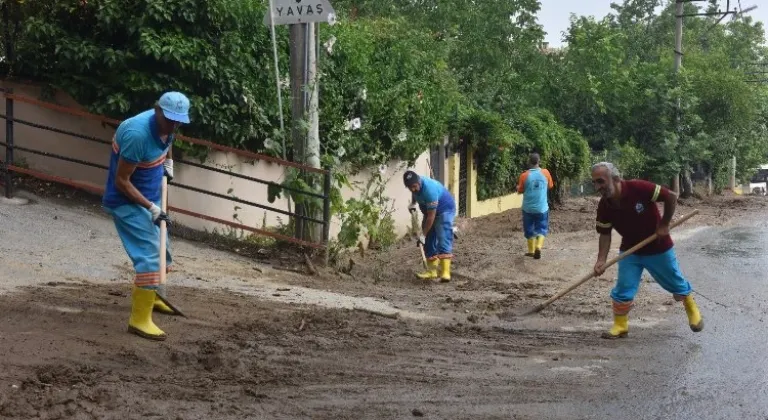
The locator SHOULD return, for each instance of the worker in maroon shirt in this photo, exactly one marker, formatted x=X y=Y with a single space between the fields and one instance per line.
x=629 y=206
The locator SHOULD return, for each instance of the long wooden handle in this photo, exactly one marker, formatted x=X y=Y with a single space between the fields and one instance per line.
x=610 y=262
x=163 y=230
x=423 y=256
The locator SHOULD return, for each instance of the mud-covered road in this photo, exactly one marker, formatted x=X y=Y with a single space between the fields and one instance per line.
x=720 y=373
x=264 y=343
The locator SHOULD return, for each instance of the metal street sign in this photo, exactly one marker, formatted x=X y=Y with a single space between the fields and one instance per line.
x=290 y=12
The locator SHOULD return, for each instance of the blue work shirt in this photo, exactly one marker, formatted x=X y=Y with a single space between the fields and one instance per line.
x=534 y=184
x=434 y=196
x=137 y=141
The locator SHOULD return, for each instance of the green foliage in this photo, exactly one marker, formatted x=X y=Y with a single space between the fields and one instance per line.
x=496 y=149
x=368 y=215
x=492 y=44
x=395 y=80
x=563 y=151
x=501 y=149
x=616 y=84
x=631 y=160
x=117 y=57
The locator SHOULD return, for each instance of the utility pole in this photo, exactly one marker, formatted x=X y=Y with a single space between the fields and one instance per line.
x=312 y=152
x=678 y=62
x=298 y=48
x=311 y=108
x=302 y=17
x=679 y=15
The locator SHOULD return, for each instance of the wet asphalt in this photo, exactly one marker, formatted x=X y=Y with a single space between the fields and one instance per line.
x=719 y=373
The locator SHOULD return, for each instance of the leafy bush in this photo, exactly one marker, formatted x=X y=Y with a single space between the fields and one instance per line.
x=564 y=152
x=496 y=150
x=117 y=57
x=502 y=149
x=395 y=80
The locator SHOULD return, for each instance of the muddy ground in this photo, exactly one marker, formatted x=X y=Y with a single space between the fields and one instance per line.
x=267 y=343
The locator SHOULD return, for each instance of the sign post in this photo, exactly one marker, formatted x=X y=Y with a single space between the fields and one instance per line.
x=295 y=12
x=301 y=16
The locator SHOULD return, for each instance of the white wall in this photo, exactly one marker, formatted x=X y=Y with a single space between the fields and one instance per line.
x=257 y=193
x=60 y=144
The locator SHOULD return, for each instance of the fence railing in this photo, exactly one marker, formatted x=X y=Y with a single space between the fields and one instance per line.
x=10 y=168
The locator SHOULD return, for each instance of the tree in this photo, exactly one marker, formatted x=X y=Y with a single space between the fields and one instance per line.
x=615 y=84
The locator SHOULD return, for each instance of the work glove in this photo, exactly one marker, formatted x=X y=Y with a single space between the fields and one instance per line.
x=455 y=232
x=412 y=208
x=168 y=168
x=158 y=215
x=421 y=241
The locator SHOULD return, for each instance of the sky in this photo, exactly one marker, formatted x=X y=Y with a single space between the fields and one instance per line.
x=555 y=14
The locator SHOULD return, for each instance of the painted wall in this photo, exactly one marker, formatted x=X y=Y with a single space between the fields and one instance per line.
x=477 y=208
x=255 y=192
x=60 y=144
x=65 y=145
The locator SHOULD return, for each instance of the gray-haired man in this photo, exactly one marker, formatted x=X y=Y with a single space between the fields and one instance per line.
x=630 y=208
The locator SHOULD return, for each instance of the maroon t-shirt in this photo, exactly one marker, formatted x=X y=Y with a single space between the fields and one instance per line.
x=637 y=216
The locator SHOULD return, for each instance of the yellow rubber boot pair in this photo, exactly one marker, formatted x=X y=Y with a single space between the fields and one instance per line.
x=694 y=316
x=140 y=323
x=431 y=272
x=445 y=270
x=620 y=327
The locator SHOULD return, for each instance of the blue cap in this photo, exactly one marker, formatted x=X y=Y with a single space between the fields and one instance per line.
x=175 y=106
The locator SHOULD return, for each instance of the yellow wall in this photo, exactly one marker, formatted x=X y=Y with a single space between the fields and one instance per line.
x=477 y=208
x=452 y=176
x=495 y=205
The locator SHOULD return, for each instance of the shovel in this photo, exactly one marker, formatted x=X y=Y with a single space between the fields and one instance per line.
x=423 y=256
x=610 y=262
x=164 y=246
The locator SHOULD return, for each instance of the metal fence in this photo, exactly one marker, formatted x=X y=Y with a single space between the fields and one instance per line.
x=10 y=168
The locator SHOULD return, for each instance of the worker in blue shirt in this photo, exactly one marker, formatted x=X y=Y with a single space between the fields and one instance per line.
x=534 y=184
x=140 y=157
x=439 y=210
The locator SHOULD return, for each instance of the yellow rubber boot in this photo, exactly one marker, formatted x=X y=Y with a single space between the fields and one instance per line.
x=620 y=327
x=140 y=322
x=539 y=245
x=431 y=272
x=161 y=307
x=531 y=247
x=445 y=270
x=694 y=316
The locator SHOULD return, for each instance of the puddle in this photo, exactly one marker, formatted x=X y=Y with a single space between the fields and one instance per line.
x=644 y=322
x=736 y=242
